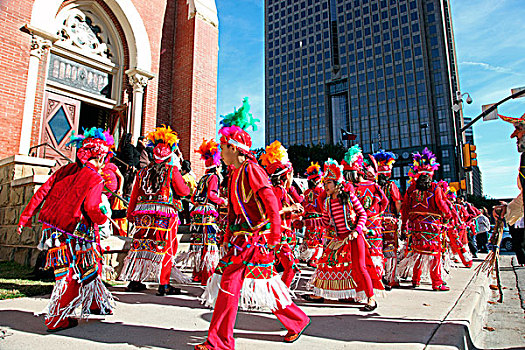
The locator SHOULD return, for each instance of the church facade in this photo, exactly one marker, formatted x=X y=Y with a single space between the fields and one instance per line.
x=122 y=65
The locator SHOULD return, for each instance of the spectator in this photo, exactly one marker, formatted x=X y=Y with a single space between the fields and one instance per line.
x=191 y=182
x=145 y=152
x=483 y=228
x=130 y=160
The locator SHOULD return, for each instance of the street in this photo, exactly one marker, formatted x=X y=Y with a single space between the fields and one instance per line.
x=405 y=319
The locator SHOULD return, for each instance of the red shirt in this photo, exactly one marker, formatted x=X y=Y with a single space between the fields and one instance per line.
x=372 y=197
x=69 y=194
x=334 y=214
x=393 y=195
x=429 y=201
x=252 y=200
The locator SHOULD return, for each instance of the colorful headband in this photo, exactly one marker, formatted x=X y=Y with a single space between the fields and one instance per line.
x=164 y=142
x=313 y=172
x=353 y=159
x=210 y=153
x=93 y=143
x=275 y=159
x=424 y=163
x=332 y=171
x=385 y=162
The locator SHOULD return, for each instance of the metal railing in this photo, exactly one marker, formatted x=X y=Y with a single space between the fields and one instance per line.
x=45 y=144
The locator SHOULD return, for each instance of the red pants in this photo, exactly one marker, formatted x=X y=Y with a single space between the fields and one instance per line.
x=287 y=259
x=359 y=265
x=172 y=244
x=435 y=271
x=71 y=292
x=220 y=334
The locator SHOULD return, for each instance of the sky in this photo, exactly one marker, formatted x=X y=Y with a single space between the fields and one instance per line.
x=490 y=49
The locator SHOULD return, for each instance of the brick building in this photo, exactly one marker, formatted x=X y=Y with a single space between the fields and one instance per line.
x=126 y=65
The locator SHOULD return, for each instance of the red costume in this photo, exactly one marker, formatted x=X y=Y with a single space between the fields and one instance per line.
x=204 y=250
x=345 y=268
x=374 y=202
x=423 y=214
x=390 y=223
x=246 y=274
x=154 y=205
x=275 y=159
x=454 y=228
x=70 y=214
x=312 y=247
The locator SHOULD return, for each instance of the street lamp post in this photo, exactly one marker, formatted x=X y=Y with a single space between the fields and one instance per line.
x=458 y=135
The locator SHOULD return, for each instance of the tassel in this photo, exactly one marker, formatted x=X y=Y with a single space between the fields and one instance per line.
x=49 y=243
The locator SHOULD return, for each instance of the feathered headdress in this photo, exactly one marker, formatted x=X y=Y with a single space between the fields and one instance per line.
x=332 y=171
x=313 y=172
x=165 y=141
x=370 y=168
x=275 y=159
x=424 y=163
x=353 y=159
x=519 y=124
x=210 y=153
x=234 y=126
x=385 y=161
x=93 y=143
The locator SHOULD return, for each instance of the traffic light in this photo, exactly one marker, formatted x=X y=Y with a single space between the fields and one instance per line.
x=460 y=185
x=469 y=156
x=473 y=156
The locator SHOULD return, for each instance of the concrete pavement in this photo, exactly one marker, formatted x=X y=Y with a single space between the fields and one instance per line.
x=405 y=319
x=504 y=326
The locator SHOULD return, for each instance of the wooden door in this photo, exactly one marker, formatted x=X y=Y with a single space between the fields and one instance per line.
x=61 y=116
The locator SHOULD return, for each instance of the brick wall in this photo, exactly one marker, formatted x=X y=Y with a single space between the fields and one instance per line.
x=14 y=61
x=194 y=88
x=184 y=61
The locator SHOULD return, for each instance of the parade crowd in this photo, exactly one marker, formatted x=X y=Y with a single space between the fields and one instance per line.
x=360 y=235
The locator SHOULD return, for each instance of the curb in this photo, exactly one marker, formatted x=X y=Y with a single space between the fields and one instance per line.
x=464 y=322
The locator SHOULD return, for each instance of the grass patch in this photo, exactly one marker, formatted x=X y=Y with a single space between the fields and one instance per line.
x=18 y=281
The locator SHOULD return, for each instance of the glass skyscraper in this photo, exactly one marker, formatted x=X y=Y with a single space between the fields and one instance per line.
x=384 y=70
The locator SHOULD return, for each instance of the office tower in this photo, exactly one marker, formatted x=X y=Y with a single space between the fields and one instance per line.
x=384 y=70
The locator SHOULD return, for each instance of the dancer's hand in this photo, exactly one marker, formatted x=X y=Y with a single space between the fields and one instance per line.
x=353 y=234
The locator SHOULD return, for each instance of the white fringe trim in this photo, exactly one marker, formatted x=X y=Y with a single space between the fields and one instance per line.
x=94 y=291
x=256 y=294
x=390 y=270
x=178 y=277
x=405 y=267
x=141 y=266
x=155 y=207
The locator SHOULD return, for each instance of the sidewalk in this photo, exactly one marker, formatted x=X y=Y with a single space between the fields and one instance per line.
x=405 y=319
x=505 y=322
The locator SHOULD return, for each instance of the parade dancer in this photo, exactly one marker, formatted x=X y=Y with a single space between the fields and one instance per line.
x=372 y=198
x=153 y=207
x=423 y=213
x=246 y=274
x=312 y=246
x=453 y=227
x=70 y=213
x=206 y=202
x=385 y=162
x=279 y=168
x=345 y=266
